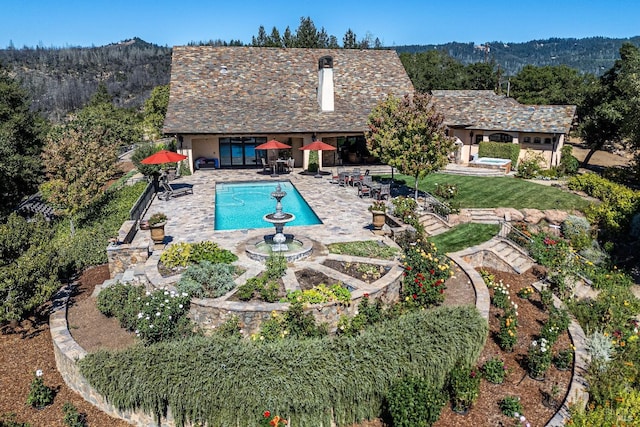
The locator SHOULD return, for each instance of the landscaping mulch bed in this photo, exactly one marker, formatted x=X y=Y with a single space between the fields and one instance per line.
x=356 y=270
x=28 y=347
x=308 y=278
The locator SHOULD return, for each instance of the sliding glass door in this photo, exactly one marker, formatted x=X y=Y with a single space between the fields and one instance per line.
x=239 y=151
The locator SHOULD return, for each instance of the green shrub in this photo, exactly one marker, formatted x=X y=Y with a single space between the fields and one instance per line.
x=494 y=370
x=578 y=231
x=368 y=314
x=619 y=203
x=549 y=251
x=500 y=150
x=71 y=416
x=568 y=163
x=615 y=412
x=320 y=294
x=276 y=266
x=247 y=290
x=415 y=402
x=9 y=420
x=207 y=280
x=507 y=336
x=142 y=151
x=464 y=387
x=182 y=254
x=29 y=266
x=39 y=394
x=611 y=311
x=292 y=324
x=556 y=324
x=426 y=272
x=121 y=301
x=510 y=406
x=530 y=166
x=269 y=291
x=446 y=191
x=343 y=380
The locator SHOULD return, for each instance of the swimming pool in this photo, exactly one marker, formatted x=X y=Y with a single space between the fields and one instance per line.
x=241 y=205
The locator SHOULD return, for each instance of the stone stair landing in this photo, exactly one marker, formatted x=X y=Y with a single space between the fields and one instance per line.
x=433 y=224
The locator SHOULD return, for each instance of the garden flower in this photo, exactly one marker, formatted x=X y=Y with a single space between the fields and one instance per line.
x=39 y=373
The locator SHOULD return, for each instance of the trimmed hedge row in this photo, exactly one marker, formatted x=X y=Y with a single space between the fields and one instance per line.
x=500 y=150
x=231 y=382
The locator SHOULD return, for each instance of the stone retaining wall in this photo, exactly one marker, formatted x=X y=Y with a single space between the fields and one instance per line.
x=122 y=256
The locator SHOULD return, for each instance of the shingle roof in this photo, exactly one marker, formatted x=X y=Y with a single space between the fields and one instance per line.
x=273 y=90
x=483 y=109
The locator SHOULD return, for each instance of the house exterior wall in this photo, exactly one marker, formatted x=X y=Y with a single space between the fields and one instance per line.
x=549 y=147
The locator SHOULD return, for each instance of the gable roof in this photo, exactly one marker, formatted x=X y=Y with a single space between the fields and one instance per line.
x=485 y=110
x=274 y=90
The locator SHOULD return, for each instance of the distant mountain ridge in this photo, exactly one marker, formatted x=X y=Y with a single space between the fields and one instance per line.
x=592 y=55
x=61 y=80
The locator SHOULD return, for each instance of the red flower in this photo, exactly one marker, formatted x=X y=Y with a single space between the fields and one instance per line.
x=438 y=282
x=408 y=268
x=415 y=296
x=416 y=280
x=266 y=414
x=420 y=285
x=432 y=271
x=366 y=295
x=442 y=291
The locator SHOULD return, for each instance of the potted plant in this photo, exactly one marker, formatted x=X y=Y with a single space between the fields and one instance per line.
x=378 y=209
x=564 y=359
x=156 y=222
x=464 y=388
x=494 y=370
x=538 y=359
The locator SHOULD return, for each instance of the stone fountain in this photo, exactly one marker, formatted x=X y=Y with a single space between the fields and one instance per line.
x=279 y=219
x=291 y=248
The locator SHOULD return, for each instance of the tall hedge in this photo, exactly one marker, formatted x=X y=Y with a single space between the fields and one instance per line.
x=225 y=382
x=500 y=150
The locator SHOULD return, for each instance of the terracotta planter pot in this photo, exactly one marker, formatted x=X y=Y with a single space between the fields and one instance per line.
x=157 y=232
x=379 y=218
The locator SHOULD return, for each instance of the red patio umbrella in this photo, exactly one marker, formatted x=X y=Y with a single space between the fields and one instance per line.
x=273 y=145
x=163 y=156
x=318 y=146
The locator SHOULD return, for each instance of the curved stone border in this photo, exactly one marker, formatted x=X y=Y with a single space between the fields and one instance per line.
x=67 y=352
x=577 y=393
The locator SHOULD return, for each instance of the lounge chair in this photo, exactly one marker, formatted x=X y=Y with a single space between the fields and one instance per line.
x=384 y=192
x=171 y=191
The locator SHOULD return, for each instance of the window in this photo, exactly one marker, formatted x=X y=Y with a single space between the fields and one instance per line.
x=239 y=151
x=500 y=137
x=547 y=140
x=526 y=140
x=479 y=139
x=537 y=140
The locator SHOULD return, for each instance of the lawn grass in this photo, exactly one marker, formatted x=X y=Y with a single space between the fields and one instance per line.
x=500 y=192
x=464 y=236
x=365 y=248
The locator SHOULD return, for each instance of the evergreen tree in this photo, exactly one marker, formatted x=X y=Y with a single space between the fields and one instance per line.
x=307 y=35
x=288 y=39
x=261 y=39
x=274 y=39
x=349 y=40
x=21 y=141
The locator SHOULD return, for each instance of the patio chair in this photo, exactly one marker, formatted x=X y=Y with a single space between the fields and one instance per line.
x=265 y=165
x=384 y=192
x=364 y=191
x=171 y=191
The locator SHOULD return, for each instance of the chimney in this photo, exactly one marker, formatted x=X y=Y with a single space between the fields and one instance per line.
x=325 y=83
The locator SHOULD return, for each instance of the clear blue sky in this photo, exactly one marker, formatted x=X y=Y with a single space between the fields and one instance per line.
x=61 y=23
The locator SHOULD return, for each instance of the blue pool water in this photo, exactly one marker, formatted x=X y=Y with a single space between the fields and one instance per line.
x=241 y=205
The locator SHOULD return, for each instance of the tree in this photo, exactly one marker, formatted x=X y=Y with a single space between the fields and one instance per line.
x=555 y=85
x=349 y=41
x=28 y=266
x=155 y=110
x=434 y=69
x=21 y=141
x=307 y=35
x=261 y=39
x=274 y=39
x=288 y=39
x=408 y=134
x=78 y=164
x=610 y=108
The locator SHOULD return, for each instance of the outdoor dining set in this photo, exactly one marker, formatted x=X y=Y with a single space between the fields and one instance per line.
x=365 y=184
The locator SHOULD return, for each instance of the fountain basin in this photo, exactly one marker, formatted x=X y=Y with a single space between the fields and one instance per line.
x=298 y=248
